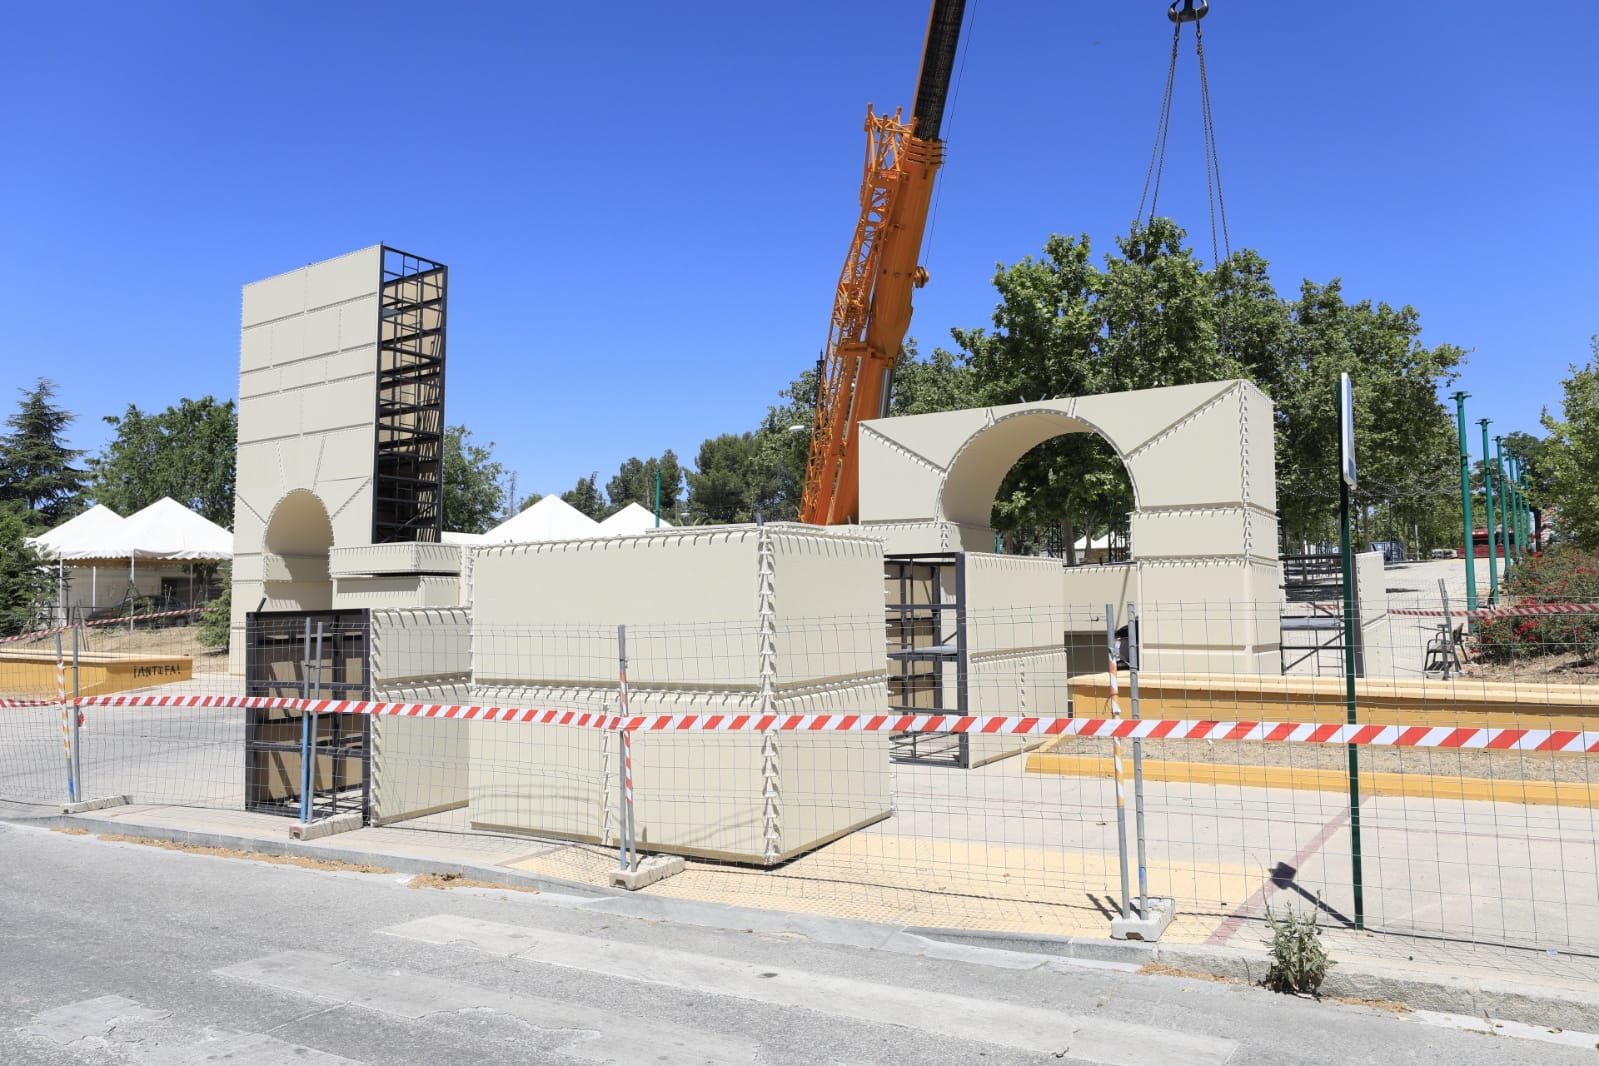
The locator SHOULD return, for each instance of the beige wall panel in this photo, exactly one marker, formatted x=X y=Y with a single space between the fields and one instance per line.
x=420 y=645
x=338 y=405
x=904 y=480
x=1032 y=684
x=345 y=277
x=358 y=324
x=299 y=458
x=546 y=780
x=345 y=455
x=901 y=538
x=288 y=340
x=247 y=568
x=828 y=593
x=266 y=418
x=349 y=503
x=974 y=476
x=1086 y=589
x=1260 y=465
x=408 y=590
x=292 y=568
x=356 y=362
x=701 y=793
x=934 y=438
x=1131 y=419
x=402 y=558
x=1193 y=466
x=255 y=351
x=1012 y=602
x=274 y=298
x=1376 y=630
x=287 y=596
x=419 y=766
x=1188 y=532
x=321 y=331
x=261 y=382
x=830 y=784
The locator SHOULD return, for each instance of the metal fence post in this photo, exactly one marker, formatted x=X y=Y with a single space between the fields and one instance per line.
x=1116 y=763
x=1134 y=646
x=75 y=721
x=628 y=849
x=68 y=739
x=306 y=756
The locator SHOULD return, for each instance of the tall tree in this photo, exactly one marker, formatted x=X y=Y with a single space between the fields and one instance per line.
x=635 y=483
x=724 y=485
x=25 y=581
x=37 y=478
x=1570 y=457
x=473 y=497
x=586 y=496
x=187 y=452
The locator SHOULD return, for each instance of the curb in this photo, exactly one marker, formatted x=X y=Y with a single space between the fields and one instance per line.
x=1543 y=1005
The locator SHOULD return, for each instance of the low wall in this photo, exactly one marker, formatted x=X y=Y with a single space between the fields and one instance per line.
x=34 y=673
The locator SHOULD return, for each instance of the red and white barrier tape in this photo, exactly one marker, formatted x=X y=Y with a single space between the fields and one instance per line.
x=1394 y=736
x=36 y=634
x=1520 y=610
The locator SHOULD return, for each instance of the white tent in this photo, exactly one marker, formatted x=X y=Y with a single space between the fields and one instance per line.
x=552 y=518
x=168 y=530
x=631 y=519
x=97 y=525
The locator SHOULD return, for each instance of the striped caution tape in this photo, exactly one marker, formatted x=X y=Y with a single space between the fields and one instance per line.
x=1520 y=610
x=1399 y=736
x=124 y=620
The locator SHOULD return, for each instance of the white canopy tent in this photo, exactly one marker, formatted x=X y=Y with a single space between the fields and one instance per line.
x=632 y=519
x=552 y=518
x=163 y=535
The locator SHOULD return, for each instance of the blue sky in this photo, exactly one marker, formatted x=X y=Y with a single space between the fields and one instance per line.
x=644 y=207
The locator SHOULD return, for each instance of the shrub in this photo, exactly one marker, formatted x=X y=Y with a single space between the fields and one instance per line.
x=1299 y=962
x=212 y=632
x=1561 y=575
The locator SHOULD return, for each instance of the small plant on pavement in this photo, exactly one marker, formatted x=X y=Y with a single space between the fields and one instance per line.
x=1299 y=962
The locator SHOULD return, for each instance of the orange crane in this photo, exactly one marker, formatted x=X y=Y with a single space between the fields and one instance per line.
x=872 y=308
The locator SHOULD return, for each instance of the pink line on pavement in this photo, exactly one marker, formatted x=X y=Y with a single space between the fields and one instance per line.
x=1228 y=928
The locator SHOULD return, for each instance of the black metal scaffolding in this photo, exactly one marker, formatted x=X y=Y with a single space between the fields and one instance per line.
x=927 y=661
x=408 y=476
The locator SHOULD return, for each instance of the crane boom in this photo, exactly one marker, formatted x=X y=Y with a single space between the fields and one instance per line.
x=872 y=305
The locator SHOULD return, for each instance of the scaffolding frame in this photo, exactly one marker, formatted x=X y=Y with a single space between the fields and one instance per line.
x=408 y=452
x=926 y=636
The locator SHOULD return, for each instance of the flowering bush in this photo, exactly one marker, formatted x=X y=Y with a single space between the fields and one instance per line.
x=1561 y=575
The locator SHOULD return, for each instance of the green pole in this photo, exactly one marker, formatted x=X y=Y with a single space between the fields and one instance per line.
x=1349 y=699
x=1465 y=502
x=657 y=498
x=1527 y=544
x=1508 y=508
x=1523 y=532
x=1488 y=493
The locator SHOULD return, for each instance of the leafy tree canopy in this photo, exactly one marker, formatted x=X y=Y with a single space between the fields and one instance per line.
x=586 y=496
x=473 y=497
x=187 y=452
x=1569 y=460
x=635 y=483
x=25 y=581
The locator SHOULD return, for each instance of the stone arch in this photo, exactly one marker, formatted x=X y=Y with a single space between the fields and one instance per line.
x=971 y=482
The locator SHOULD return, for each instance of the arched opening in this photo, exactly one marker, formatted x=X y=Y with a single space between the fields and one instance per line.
x=298 y=537
x=1045 y=483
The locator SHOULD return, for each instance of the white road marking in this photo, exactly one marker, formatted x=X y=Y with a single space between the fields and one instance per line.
x=418 y=996
x=114 y=1023
x=1031 y=1029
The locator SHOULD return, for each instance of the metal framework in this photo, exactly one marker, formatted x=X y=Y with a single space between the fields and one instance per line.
x=926 y=605
x=408 y=471
x=306 y=655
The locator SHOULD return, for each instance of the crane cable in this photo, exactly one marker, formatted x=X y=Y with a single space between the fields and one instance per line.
x=1157 y=155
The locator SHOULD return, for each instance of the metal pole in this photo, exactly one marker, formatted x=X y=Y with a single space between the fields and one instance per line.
x=316 y=733
x=1134 y=656
x=1465 y=502
x=1488 y=492
x=305 y=727
x=1349 y=697
x=66 y=730
x=1523 y=533
x=1116 y=763
x=657 y=498
x=629 y=851
x=76 y=720
x=1507 y=506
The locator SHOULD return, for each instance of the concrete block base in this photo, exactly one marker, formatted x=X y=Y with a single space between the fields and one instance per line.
x=1157 y=916
x=96 y=804
x=326 y=827
x=650 y=870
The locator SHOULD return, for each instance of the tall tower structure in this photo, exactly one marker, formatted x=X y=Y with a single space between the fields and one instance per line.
x=341 y=423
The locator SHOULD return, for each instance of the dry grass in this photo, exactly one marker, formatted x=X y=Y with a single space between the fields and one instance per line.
x=304 y=862
x=455 y=880
x=1162 y=970
x=148 y=640
x=70 y=831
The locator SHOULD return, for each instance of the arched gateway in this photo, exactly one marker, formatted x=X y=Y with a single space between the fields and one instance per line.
x=1204 y=525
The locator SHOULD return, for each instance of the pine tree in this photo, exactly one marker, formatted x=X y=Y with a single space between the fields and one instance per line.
x=37 y=477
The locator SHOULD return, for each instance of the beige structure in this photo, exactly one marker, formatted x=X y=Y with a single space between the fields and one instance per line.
x=1204 y=529
x=721 y=620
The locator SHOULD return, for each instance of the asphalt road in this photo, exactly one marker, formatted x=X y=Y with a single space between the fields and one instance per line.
x=123 y=953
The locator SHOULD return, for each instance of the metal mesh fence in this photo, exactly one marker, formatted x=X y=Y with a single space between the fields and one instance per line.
x=980 y=791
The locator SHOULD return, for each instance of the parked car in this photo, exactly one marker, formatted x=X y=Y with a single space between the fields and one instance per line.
x=1393 y=551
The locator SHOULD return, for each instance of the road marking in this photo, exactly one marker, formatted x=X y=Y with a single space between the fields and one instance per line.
x=599 y=1034
x=1031 y=1029
x=122 y=1025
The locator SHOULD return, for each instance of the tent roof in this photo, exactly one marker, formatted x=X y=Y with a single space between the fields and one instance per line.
x=168 y=530
x=631 y=519
x=450 y=536
x=552 y=518
x=95 y=526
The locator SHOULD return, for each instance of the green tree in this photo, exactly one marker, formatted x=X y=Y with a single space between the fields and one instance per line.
x=473 y=498
x=635 y=483
x=37 y=478
x=187 y=452
x=586 y=496
x=212 y=630
x=1570 y=457
x=25 y=582
x=724 y=484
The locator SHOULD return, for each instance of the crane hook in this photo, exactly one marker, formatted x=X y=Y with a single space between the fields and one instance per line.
x=1189 y=13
